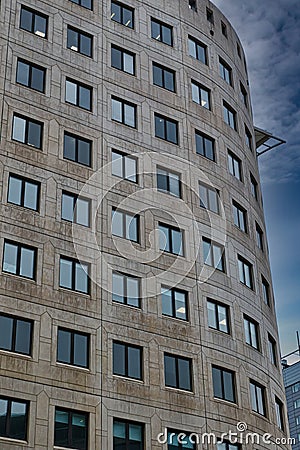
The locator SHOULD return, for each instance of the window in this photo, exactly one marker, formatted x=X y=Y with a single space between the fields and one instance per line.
x=127 y=360
x=166 y=129
x=213 y=254
x=163 y=77
x=174 y=303
x=200 y=95
x=298 y=423
x=123 y=112
x=259 y=237
x=229 y=116
x=72 y=348
x=31 y=75
x=78 y=94
x=74 y=275
x=27 y=131
x=245 y=272
x=88 y=4
x=197 y=50
x=178 y=372
x=297 y=403
x=209 y=198
x=210 y=15
x=178 y=440
x=124 y=166
x=125 y=225
x=265 y=290
x=248 y=138
x=235 y=166
x=223 y=383
x=161 y=32
x=34 y=22
x=75 y=209
x=71 y=429
x=14 y=418
x=205 y=145
x=224 y=29
x=296 y=388
x=122 y=60
x=122 y=14
x=80 y=42
x=16 y=334
x=170 y=239
x=227 y=446
x=251 y=332
x=128 y=435
x=225 y=71
x=126 y=289
x=23 y=192
x=239 y=216
x=193 y=5
x=272 y=350
x=238 y=49
x=77 y=149
x=218 y=316
x=244 y=96
x=254 y=187
x=19 y=259
x=168 y=182
x=257 y=393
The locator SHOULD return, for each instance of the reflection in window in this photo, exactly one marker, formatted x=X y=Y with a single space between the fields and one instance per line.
x=16 y=334
x=125 y=225
x=174 y=303
x=171 y=239
x=72 y=348
x=124 y=166
x=23 y=192
x=74 y=275
x=127 y=360
x=71 y=429
x=126 y=289
x=19 y=259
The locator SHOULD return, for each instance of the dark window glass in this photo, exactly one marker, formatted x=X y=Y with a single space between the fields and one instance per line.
x=225 y=71
x=251 y=332
x=265 y=290
x=210 y=15
x=197 y=50
x=79 y=94
x=166 y=129
x=125 y=225
x=178 y=440
x=239 y=216
x=122 y=14
x=235 y=166
x=245 y=272
x=128 y=435
x=88 y=4
x=248 y=138
x=168 y=182
x=124 y=166
x=229 y=116
x=227 y=446
x=77 y=149
x=74 y=275
x=79 y=41
x=174 y=303
x=254 y=187
x=259 y=237
x=73 y=348
x=75 y=209
x=33 y=21
x=163 y=77
x=123 y=112
x=31 y=75
x=19 y=259
x=200 y=95
x=272 y=350
x=209 y=198
x=224 y=29
x=23 y=192
x=244 y=96
x=279 y=413
x=213 y=254
x=127 y=360
x=16 y=334
x=71 y=429
x=13 y=418
x=223 y=383
x=161 y=32
x=257 y=393
x=205 y=145
x=218 y=316
x=123 y=60
x=171 y=239
x=178 y=372
x=27 y=131
x=126 y=289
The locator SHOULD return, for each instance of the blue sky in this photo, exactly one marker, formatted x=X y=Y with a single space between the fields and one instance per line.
x=270 y=34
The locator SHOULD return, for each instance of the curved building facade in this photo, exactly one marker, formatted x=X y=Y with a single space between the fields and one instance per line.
x=136 y=298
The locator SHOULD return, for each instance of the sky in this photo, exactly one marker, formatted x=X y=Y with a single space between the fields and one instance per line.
x=270 y=34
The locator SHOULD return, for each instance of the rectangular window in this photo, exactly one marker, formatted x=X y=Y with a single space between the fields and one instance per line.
x=227 y=446
x=124 y=166
x=245 y=272
x=218 y=316
x=296 y=388
x=163 y=77
x=77 y=149
x=122 y=60
x=168 y=182
x=205 y=145
x=75 y=209
x=225 y=71
x=27 y=131
x=126 y=289
x=79 y=94
x=19 y=259
x=209 y=198
x=72 y=348
x=297 y=403
x=79 y=41
x=88 y=4
x=239 y=216
x=178 y=372
x=257 y=393
x=244 y=96
x=16 y=334
x=279 y=413
x=193 y=5
x=179 y=440
x=74 y=275
x=123 y=112
x=127 y=360
x=251 y=332
x=31 y=75
x=23 y=192
x=161 y=32
x=272 y=350
x=71 y=429
x=201 y=95
x=33 y=21
x=265 y=290
x=229 y=116
x=128 y=435
x=254 y=187
x=166 y=128
x=174 y=303
x=259 y=237
x=14 y=418
x=210 y=15
x=224 y=29
x=125 y=225
x=197 y=50
x=213 y=254
x=248 y=138
x=122 y=14
x=298 y=423
x=170 y=239
x=235 y=166
x=223 y=383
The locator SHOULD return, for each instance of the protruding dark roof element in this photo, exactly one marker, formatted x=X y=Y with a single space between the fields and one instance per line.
x=266 y=140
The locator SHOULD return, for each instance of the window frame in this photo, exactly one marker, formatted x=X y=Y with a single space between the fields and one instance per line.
x=235 y=166
x=180 y=438
x=225 y=72
x=170 y=239
x=217 y=318
x=125 y=156
x=272 y=345
x=127 y=423
x=279 y=410
x=34 y=14
x=161 y=26
x=244 y=95
x=24 y=180
x=125 y=277
x=79 y=85
x=201 y=88
x=211 y=253
x=123 y=118
x=254 y=187
x=166 y=120
x=248 y=138
x=71 y=412
x=124 y=228
x=258 y=388
x=164 y=69
x=198 y=44
x=75 y=198
x=73 y=275
x=266 y=290
x=72 y=347
x=122 y=9
x=221 y=371
x=259 y=237
x=252 y=325
x=204 y=137
x=177 y=377
x=31 y=66
x=123 y=52
x=239 y=217
x=21 y=246
x=79 y=3
x=246 y=263
x=167 y=176
x=209 y=190
x=77 y=139
x=15 y=320
x=126 y=346
x=173 y=302
x=27 y=124
x=229 y=116
x=79 y=34
x=8 y=417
